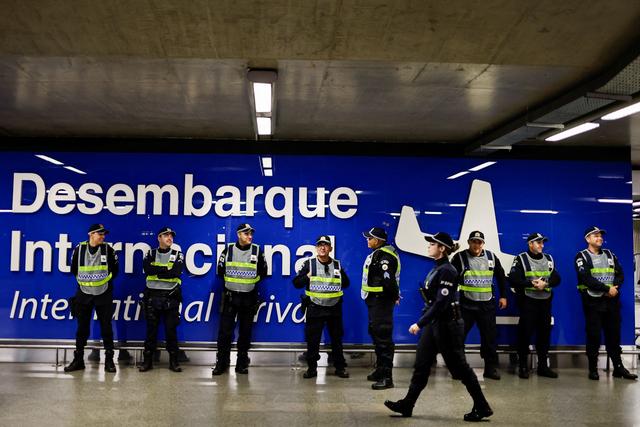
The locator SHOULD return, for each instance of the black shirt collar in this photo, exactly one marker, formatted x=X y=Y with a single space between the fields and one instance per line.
x=241 y=247
x=442 y=261
x=163 y=251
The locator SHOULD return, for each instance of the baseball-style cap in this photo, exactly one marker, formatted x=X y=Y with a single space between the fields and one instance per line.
x=534 y=237
x=476 y=235
x=244 y=227
x=98 y=228
x=165 y=230
x=376 y=232
x=594 y=229
x=323 y=239
x=441 y=238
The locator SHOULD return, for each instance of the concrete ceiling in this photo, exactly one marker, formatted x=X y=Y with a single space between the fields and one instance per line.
x=423 y=71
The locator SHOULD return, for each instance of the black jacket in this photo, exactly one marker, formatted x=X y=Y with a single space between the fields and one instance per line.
x=382 y=272
x=441 y=292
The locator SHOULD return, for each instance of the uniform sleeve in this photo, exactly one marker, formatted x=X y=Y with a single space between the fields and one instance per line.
x=176 y=270
x=302 y=280
x=345 y=279
x=517 y=278
x=554 y=278
x=618 y=278
x=263 y=269
x=221 y=263
x=74 y=261
x=498 y=273
x=456 y=261
x=445 y=295
x=385 y=267
x=112 y=261
x=584 y=275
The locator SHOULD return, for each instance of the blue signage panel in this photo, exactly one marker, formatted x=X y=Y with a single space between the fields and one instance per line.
x=46 y=208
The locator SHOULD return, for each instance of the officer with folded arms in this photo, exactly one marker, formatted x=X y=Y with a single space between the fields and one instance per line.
x=324 y=280
x=162 y=297
x=381 y=292
x=533 y=275
x=241 y=266
x=599 y=279
x=95 y=266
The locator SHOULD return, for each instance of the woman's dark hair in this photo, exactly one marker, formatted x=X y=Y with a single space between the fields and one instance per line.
x=448 y=251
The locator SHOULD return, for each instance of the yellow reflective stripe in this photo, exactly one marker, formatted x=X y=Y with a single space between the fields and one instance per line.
x=602 y=270
x=156 y=278
x=242 y=264
x=241 y=281
x=92 y=268
x=372 y=288
x=95 y=284
x=395 y=255
x=325 y=279
x=169 y=265
x=474 y=289
x=537 y=274
x=538 y=290
x=482 y=273
x=324 y=295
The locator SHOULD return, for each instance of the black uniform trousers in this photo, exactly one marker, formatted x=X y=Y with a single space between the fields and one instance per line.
x=535 y=317
x=316 y=318
x=243 y=306
x=447 y=338
x=482 y=313
x=161 y=307
x=381 y=328
x=84 y=316
x=602 y=314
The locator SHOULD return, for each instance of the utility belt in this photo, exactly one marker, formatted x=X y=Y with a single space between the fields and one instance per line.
x=240 y=299
x=160 y=299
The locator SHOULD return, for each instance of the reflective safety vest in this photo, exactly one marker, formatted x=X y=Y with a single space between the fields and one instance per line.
x=163 y=260
x=241 y=268
x=537 y=269
x=602 y=269
x=325 y=282
x=93 y=269
x=365 y=271
x=477 y=279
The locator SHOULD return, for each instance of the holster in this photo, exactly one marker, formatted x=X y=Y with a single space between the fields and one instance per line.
x=455 y=311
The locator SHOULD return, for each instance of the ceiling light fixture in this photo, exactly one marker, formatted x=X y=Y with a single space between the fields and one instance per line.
x=262 y=100
x=623 y=112
x=585 y=127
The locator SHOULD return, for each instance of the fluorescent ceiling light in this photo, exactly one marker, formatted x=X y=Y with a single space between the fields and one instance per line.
x=262 y=97
x=585 y=127
x=458 y=175
x=358 y=191
x=533 y=211
x=457 y=205
x=72 y=169
x=394 y=214
x=266 y=162
x=264 y=125
x=625 y=201
x=623 y=112
x=49 y=159
x=482 y=166
x=432 y=213
x=268 y=172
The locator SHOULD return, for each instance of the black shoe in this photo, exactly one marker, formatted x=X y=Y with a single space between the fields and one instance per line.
x=342 y=373
x=94 y=356
x=124 y=356
x=174 y=365
x=182 y=357
x=109 y=366
x=477 y=414
x=219 y=369
x=310 y=373
x=401 y=406
x=622 y=372
x=242 y=369
x=375 y=375
x=523 y=373
x=147 y=362
x=383 y=384
x=492 y=373
x=593 y=375
x=77 y=363
x=545 y=371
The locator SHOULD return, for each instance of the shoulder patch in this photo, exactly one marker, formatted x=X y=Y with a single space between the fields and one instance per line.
x=444 y=292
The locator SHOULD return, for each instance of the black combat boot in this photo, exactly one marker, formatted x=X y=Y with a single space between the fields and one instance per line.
x=109 y=366
x=593 y=369
x=620 y=371
x=147 y=361
x=222 y=364
x=310 y=373
x=77 y=363
x=403 y=406
x=385 y=382
x=182 y=357
x=174 y=365
x=544 y=370
x=375 y=375
x=478 y=413
x=124 y=356
x=342 y=372
x=491 y=372
x=242 y=363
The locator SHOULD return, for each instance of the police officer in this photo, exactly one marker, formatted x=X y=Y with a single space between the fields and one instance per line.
x=533 y=275
x=442 y=332
x=324 y=280
x=241 y=266
x=599 y=279
x=95 y=265
x=381 y=290
x=477 y=268
x=162 y=297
